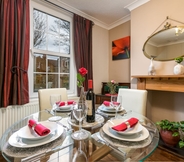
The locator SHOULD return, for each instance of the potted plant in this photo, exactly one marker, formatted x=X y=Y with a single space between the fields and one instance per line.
x=181 y=132
x=171 y=132
x=112 y=86
x=178 y=69
x=178 y=59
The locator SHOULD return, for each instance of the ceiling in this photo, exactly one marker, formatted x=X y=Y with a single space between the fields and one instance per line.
x=106 y=13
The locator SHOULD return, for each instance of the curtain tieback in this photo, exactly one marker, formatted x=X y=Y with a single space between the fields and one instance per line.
x=14 y=68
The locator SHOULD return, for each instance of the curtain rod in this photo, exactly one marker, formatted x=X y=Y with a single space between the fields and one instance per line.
x=62 y=8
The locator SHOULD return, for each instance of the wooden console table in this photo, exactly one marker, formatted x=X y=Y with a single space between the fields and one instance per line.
x=101 y=98
x=173 y=83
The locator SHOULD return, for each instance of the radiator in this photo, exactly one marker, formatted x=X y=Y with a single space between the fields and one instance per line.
x=12 y=114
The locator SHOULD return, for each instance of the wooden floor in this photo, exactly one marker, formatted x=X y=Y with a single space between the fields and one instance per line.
x=158 y=155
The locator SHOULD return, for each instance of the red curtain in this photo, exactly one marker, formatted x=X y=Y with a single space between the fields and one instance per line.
x=14 y=52
x=83 y=45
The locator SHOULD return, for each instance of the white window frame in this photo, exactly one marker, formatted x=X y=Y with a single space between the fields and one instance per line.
x=55 y=11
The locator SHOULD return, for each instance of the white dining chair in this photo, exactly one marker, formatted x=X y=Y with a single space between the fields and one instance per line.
x=44 y=96
x=133 y=99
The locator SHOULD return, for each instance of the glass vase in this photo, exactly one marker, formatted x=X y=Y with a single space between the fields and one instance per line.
x=82 y=98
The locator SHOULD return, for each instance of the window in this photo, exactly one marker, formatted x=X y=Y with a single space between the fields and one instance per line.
x=51 y=62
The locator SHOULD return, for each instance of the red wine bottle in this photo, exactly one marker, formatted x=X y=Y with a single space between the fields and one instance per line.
x=90 y=98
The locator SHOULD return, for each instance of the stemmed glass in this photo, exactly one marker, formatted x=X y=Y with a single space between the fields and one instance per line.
x=79 y=112
x=116 y=103
x=79 y=156
x=54 y=98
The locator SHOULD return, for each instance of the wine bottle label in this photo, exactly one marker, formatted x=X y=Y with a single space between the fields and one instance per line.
x=89 y=102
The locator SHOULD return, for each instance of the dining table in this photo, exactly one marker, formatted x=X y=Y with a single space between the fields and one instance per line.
x=19 y=143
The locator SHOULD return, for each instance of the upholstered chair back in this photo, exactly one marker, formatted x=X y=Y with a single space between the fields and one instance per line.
x=134 y=99
x=44 y=96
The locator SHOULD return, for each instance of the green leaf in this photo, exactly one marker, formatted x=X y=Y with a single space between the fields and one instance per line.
x=179 y=59
x=181 y=144
x=175 y=134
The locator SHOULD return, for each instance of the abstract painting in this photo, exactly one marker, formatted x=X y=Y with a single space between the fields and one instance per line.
x=121 y=48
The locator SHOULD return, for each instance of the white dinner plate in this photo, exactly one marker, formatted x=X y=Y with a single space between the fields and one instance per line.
x=109 y=114
x=130 y=131
x=135 y=137
x=28 y=133
x=105 y=109
x=66 y=107
x=63 y=110
x=108 y=107
x=98 y=120
x=25 y=143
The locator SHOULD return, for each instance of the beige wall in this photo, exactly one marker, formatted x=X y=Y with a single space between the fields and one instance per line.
x=144 y=21
x=100 y=57
x=104 y=69
x=119 y=70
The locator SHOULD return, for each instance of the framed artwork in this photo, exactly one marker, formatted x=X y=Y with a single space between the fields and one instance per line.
x=121 y=48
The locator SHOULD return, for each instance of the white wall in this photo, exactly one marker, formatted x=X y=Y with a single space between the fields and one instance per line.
x=119 y=70
x=144 y=21
x=100 y=51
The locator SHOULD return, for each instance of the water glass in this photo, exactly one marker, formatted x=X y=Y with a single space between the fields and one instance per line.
x=79 y=112
x=115 y=103
x=54 y=98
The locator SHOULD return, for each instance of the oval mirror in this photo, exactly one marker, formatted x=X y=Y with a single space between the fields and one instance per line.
x=165 y=45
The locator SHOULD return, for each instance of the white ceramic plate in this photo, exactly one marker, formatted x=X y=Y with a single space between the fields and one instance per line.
x=105 y=109
x=63 y=110
x=135 y=137
x=28 y=133
x=108 y=107
x=66 y=107
x=98 y=120
x=130 y=131
x=109 y=114
x=25 y=143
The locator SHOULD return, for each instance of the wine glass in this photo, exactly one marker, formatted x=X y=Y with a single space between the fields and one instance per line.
x=116 y=103
x=54 y=98
x=79 y=112
x=80 y=155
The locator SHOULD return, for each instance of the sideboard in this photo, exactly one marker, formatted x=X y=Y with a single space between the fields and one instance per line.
x=173 y=83
x=102 y=97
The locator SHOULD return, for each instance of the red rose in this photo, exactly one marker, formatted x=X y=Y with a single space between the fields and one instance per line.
x=83 y=71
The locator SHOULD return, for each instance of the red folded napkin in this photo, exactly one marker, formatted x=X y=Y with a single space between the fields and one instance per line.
x=106 y=103
x=38 y=128
x=125 y=125
x=62 y=103
x=70 y=102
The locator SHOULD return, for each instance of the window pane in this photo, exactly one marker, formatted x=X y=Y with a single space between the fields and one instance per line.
x=53 y=63
x=39 y=20
x=64 y=37
x=39 y=40
x=39 y=82
x=53 y=78
x=39 y=62
x=53 y=43
x=64 y=80
x=53 y=25
x=64 y=47
x=65 y=65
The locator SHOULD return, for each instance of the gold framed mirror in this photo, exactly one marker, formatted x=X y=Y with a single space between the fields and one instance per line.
x=166 y=44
